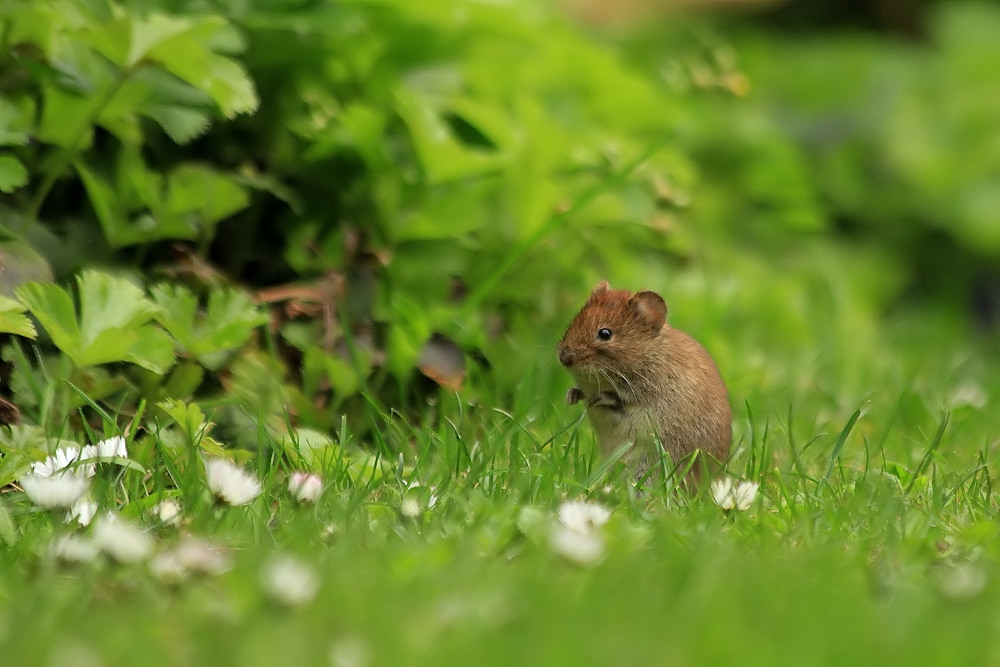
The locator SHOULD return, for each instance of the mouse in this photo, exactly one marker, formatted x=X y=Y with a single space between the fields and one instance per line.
x=644 y=382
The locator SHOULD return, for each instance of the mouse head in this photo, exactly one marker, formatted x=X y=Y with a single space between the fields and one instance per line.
x=613 y=331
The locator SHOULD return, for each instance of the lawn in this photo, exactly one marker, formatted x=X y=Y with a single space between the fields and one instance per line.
x=278 y=368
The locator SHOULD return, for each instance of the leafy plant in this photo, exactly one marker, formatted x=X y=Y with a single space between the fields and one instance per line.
x=113 y=322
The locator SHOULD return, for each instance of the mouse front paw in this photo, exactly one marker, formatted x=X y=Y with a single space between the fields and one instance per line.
x=606 y=399
x=574 y=396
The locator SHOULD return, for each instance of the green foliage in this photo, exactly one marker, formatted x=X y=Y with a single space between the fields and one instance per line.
x=225 y=325
x=81 y=68
x=13 y=320
x=113 y=322
x=870 y=139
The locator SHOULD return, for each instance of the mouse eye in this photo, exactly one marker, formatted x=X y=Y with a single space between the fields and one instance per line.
x=604 y=333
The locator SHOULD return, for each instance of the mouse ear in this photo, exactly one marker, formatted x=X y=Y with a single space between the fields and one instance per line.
x=601 y=287
x=651 y=308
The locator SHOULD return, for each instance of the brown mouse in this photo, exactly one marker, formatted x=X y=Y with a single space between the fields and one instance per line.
x=639 y=377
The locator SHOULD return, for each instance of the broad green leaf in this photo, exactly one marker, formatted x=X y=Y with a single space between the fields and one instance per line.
x=204 y=194
x=151 y=32
x=113 y=324
x=15 y=123
x=320 y=365
x=13 y=320
x=188 y=416
x=153 y=349
x=71 y=101
x=182 y=124
x=179 y=308
x=13 y=175
x=53 y=307
x=316 y=450
x=226 y=325
x=106 y=201
x=140 y=205
x=442 y=156
x=110 y=304
x=189 y=54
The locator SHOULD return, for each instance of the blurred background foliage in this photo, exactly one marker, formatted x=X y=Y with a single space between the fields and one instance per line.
x=416 y=193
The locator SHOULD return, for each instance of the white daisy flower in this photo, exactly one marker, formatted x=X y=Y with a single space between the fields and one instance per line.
x=166 y=566
x=111 y=448
x=962 y=581
x=722 y=492
x=290 y=581
x=121 y=539
x=306 y=487
x=745 y=494
x=169 y=511
x=577 y=535
x=350 y=651
x=583 y=516
x=410 y=507
x=65 y=459
x=83 y=510
x=190 y=555
x=74 y=548
x=231 y=483
x=51 y=491
x=728 y=494
x=581 y=547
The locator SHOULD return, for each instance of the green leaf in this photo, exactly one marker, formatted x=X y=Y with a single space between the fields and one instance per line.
x=153 y=349
x=141 y=205
x=182 y=124
x=113 y=323
x=13 y=320
x=110 y=304
x=188 y=416
x=317 y=365
x=13 y=175
x=107 y=203
x=204 y=194
x=53 y=308
x=15 y=123
x=151 y=32
x=71 y=102
x=189 y=54
x=316 y=450
x=226 y=325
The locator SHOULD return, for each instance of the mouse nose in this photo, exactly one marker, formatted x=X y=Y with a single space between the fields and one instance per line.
x=565 y=358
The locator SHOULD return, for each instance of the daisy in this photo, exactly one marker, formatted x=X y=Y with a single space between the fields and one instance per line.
x=190 y=555
x=65 y=459
x=410 y=508
x=580 y=547
x=577 y=535
x=231 y=483
x=583 y=516
x=51 y=491
x=121 y=539
x=74 y=548
x=169 y=511
x=305 y=486
x=290 y=581
x=111 y=448
x=83 y=510
x=728 y=494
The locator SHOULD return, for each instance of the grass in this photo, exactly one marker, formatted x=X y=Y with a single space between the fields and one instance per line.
x=873 y=538
x=836 y=563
